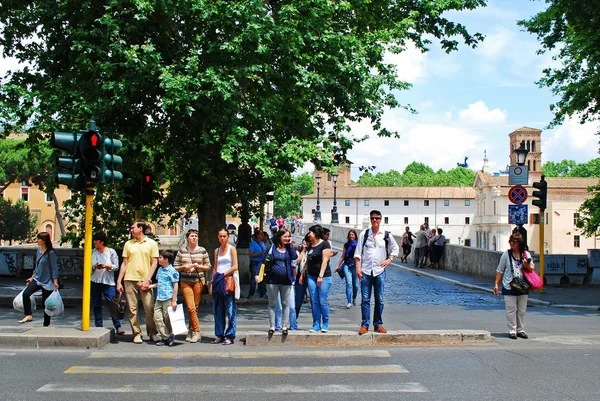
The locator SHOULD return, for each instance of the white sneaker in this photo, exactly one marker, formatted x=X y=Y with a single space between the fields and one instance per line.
x=137 y=339
x=348 y=306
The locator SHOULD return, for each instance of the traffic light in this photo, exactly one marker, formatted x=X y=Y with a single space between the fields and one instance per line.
x=71 y=163
x=91 y=147
x=111 y=160
x=541 y=195
x=140 y=193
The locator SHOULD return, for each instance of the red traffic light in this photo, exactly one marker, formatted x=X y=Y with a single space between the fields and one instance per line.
x=148 y=178
x=94 y=140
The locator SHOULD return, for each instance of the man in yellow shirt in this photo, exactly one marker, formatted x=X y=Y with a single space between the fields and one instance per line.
x=140 y=258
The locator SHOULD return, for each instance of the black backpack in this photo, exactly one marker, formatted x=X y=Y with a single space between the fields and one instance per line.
x=386 y=238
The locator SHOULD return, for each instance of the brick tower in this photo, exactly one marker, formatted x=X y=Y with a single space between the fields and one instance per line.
x=533 y=143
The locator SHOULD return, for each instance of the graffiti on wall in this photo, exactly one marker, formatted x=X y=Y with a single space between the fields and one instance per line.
x=8 y=264
x=67 y=265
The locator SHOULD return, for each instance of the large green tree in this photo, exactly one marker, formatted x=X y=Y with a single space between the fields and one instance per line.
x=569 y=30
x=288 y=195
x=221 y=98
x=16 y=221
x=418 y=175
x=570 y=168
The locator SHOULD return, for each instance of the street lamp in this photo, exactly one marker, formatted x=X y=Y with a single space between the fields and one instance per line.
x=318 y=211
x=521 y=154
x=334 y=212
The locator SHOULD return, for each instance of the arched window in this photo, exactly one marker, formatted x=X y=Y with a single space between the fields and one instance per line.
x=528 y=144
x=533 y=146
x=49 y=230
x=534 y=166
x=529 y=164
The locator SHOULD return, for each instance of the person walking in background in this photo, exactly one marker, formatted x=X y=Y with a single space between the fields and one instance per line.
x=407 y=242
x=319 y=277
x=44 y=277
x=301 y=284
x=511 y=264
x=420 y=246
x=257 y=252
x=375 y=250
x=226 y=268
x=437 y=249
x=166 y=296
x=192 y=263
x=104 y=264
x=280 y=277
x=140 y=258
x=348 y=265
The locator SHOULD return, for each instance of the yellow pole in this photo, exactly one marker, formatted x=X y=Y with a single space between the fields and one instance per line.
x=137 y=214
x=542 y=212
x=87 y=260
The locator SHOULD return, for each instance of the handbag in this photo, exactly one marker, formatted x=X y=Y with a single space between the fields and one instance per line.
x=534 y=280
x=118 y=305
x=518 y=284
x=229 y=284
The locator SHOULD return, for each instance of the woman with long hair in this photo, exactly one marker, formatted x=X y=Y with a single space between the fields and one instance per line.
x=348 y=266
x=512 y=262
x=45 y=276
x=225 y=269
x=280 y=277
x=319 y=277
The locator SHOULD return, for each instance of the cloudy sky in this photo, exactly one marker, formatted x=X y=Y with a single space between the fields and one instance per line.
x=470 y=100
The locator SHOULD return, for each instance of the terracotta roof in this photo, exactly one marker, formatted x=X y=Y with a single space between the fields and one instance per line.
x=576 y=184
x=527 y=129
x=356 y=192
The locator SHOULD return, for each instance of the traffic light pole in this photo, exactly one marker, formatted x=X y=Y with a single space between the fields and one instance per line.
x=87 y=260
x=543 y=212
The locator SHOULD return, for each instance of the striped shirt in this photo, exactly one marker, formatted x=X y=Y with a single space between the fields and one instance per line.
x=186 y=257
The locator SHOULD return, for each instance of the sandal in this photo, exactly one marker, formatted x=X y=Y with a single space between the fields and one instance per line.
x=284 y=331
x=228 y=341
x=120 y=331
x=217 y=340
x=271 y=331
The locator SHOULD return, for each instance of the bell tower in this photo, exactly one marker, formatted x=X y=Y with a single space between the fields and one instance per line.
x=533 y=143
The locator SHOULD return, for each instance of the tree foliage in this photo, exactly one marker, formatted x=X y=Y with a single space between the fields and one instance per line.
x=288 y=196
x=16 y=222
x=418 y=175
x=222 y=99
x=570 y=168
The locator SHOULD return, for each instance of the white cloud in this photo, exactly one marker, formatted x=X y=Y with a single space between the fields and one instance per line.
x=571 y=141
x=479 y=114
x=410 y=63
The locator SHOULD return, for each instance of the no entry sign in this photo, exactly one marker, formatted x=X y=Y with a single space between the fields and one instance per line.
x=517 y=194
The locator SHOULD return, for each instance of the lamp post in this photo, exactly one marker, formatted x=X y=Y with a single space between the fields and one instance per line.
x=334 y=212
x=318 y=211
x=521 y=154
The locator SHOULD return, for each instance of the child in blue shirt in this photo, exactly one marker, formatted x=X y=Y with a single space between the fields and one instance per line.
x=166 y=295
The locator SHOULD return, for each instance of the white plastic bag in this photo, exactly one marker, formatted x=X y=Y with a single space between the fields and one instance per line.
x=54 y=305
x=18 y=302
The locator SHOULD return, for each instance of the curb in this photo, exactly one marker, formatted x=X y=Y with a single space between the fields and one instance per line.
x=54 y=337
x=351 y=338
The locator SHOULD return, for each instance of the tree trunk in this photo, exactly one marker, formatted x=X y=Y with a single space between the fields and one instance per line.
x=59 y=218
x=211 y=218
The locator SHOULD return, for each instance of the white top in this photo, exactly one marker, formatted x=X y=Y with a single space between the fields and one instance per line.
x=224 y=261
x=108 y=257
x=374 y=251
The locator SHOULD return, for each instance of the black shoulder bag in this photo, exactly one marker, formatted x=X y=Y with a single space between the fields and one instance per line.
x=518 y=284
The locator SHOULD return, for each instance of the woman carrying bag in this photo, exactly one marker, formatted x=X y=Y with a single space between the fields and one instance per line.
x=45 y=276
x=512 y=264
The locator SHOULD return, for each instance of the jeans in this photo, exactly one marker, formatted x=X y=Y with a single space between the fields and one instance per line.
x=279 y=293
x=191 y=295
x=254 y=269
x=98 y=290
x=33 y=287
x=278 y=311
x=224 y=305
x=376 y=283
x=320 y=301
x=351 y=282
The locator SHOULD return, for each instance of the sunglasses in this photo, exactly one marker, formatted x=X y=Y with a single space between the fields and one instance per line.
x=375 y=218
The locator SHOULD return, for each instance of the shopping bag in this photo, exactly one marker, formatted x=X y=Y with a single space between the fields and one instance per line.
x=535 y=281
x=18 y=302
x=177 y=320
x=54 y=305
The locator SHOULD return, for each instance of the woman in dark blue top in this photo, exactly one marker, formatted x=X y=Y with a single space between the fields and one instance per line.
x=348 y=266
x=280 y=277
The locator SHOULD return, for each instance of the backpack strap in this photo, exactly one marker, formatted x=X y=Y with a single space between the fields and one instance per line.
x=362 y=250
x=386 y=238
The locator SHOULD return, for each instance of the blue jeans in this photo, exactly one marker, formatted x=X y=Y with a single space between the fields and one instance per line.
x=224 y=305
x=320 y=301
x=262 y=289
x=98 y=290
x=366 y=284
x=351 y=282
x=279 y=312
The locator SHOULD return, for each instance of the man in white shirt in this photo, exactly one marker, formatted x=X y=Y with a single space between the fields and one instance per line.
x=375 y=250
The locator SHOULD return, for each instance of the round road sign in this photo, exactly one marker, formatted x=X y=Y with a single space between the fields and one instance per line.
x=517 y=194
